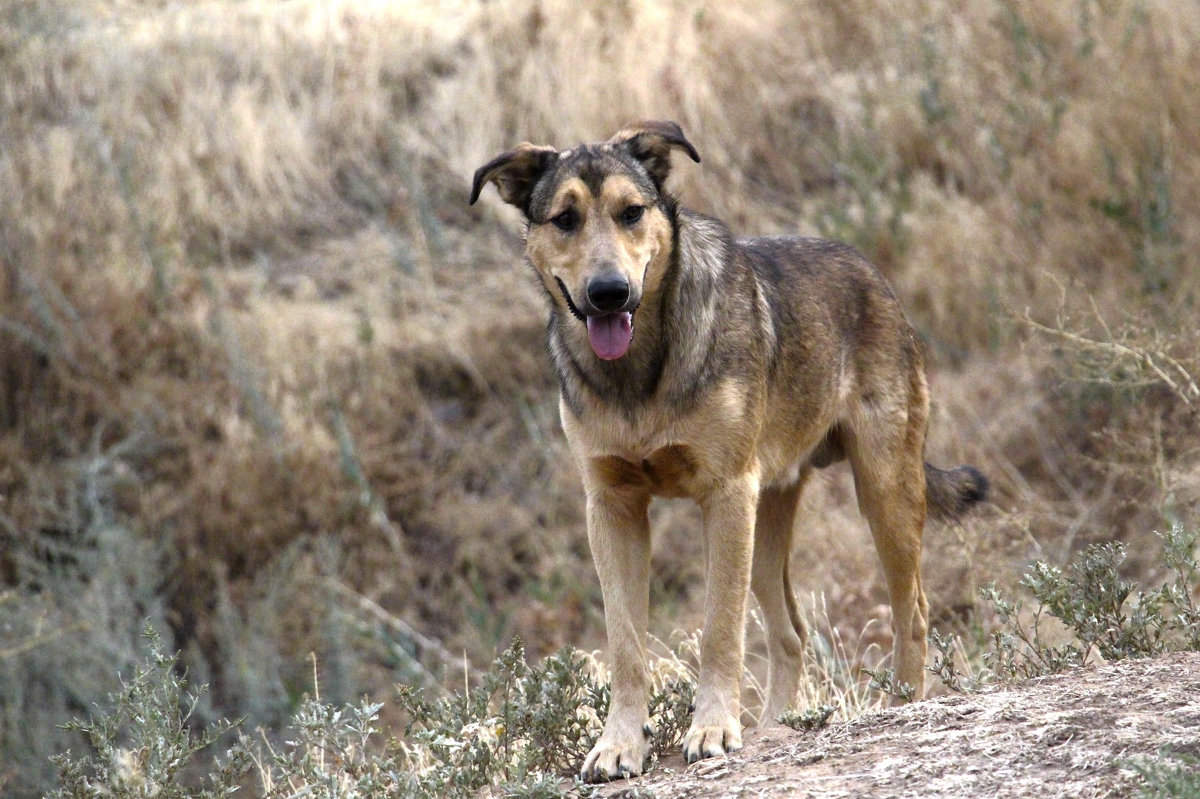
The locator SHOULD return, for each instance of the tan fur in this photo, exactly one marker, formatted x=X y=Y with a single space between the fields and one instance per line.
x=752 y=363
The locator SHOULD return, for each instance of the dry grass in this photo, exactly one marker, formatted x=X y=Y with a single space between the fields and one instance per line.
x=255 y=344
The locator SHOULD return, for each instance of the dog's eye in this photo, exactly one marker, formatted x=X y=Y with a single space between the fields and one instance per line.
x=633 y=214
x=567 y=221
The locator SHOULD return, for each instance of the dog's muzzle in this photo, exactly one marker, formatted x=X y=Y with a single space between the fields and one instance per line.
x=609 y=311
x=608 y=308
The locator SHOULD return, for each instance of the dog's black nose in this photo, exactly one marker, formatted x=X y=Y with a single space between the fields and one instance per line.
x=608 y=293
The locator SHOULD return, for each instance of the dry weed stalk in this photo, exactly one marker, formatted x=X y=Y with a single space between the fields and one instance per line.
x=1151 y=357
x=426 y=646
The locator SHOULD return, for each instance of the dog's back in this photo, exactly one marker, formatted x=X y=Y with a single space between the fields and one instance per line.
x=837 y=332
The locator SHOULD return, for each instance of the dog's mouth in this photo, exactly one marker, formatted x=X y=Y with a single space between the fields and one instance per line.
x=609 y=334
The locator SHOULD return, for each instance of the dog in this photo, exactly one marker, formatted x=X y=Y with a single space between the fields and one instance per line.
x=693 y=364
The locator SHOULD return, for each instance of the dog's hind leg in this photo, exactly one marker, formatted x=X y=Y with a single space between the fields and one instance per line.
x=892 y=497
x=889 y=478
x=786 y=633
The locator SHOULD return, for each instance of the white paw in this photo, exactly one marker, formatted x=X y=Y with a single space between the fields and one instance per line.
x=712 y=740
x=616 y=757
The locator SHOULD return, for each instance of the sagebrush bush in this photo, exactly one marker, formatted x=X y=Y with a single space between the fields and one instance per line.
x=1171 y=776
x=522 y=732
x=525 y=724
x=1084 y=611
x=813 y=718
x=522 y=723
x=144 y=744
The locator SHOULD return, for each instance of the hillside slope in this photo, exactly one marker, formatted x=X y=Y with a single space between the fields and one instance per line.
x=269 y=384
x=1070 y=735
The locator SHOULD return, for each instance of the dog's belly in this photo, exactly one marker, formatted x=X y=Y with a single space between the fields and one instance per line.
x=783 y=460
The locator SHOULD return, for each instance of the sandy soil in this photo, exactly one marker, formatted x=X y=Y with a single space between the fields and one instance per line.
x=1070 y=735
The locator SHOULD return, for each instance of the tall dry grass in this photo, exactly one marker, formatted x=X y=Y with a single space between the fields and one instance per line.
x=264 y=371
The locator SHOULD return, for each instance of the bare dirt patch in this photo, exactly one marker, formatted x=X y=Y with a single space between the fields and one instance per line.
x=1069 y=735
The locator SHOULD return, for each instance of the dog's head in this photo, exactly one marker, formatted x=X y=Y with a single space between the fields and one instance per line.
x=599 y=220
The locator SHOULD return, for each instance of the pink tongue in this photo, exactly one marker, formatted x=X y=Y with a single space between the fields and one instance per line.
x=610 y=334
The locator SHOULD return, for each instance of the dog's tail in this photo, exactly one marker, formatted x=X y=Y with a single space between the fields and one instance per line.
x=949 y=493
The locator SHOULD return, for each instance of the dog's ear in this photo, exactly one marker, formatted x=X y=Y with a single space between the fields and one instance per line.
x=651 y=143
x=515 y=173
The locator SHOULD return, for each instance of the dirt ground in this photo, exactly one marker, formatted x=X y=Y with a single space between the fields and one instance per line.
x=1070 y=735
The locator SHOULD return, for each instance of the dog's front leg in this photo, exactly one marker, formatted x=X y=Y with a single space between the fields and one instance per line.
x=729 y=546
x=619 y=535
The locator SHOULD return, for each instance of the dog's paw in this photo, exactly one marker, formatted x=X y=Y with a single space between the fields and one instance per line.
x=712 y=740
x=611 y=759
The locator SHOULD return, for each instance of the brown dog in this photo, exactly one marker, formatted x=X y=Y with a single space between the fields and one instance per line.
x=696 y=365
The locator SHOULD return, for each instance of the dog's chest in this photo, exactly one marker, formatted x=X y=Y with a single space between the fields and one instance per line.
x=670 y=471
x=664 y=452
x=650 y=453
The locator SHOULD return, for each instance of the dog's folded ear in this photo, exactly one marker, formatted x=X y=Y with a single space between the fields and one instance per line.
x=651 y=143
x=515 y=173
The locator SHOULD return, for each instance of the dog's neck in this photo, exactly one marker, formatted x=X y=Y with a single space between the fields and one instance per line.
x=674 y=329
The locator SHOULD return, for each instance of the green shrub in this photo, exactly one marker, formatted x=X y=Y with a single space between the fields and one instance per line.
x=884 y=680
x=814 y=718
x=524 y=723
x=144 y=746
x=1086 y=610
x=519 y=733
x=1173 y=776
x=522 y=727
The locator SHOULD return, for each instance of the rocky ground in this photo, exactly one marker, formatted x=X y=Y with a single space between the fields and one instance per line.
x=1069 y=735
